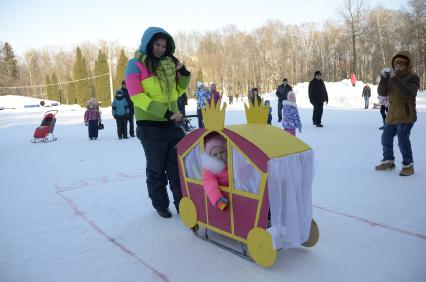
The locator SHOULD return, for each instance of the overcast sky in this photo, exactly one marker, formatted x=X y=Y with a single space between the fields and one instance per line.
x=43 y=23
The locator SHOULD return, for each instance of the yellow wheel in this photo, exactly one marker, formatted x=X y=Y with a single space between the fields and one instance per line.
x=313 y=235
x=188 y=212
x=260 y=246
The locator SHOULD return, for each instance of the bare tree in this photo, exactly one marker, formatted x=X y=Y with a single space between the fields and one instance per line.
x=353 y=13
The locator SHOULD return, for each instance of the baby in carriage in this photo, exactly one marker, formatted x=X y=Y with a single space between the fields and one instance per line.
x=215 y=169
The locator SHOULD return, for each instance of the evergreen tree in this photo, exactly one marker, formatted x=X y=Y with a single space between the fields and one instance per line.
x=82 y=84
x=49 y=88
x=8 y=57
x=120 y=73
x=56 y=93
x=103 y=93
x=71 y=100
x=9 y=70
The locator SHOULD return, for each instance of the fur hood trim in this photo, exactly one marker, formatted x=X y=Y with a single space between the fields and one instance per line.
x=286 y=102
x=211 y=163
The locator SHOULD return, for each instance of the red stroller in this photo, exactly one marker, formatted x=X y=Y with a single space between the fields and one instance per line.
x=44 y=133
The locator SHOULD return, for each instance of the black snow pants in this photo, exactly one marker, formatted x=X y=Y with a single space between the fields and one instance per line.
x=317 y=114
x=159 y=145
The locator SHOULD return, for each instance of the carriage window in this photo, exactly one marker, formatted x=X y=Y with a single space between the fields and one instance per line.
x=246 y=177
x=193 y=163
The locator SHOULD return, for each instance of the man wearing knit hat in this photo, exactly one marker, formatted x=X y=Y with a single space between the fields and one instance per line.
x=400 y=85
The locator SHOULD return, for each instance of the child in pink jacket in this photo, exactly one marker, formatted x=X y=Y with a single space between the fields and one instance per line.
x=215 y=169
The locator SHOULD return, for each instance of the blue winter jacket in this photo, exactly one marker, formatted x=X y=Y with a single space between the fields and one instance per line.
x=291 y=118
x=120 y=107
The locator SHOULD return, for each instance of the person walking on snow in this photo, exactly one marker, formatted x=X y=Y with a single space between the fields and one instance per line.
x=92 y=117
x=155 y=79
x=266 y=103
x=366 y=94
x=353 y=79
x=120 y=112
x=317 y=96
x=384 y=104
x=202 y=95
x=130 y=116
x=400 y=84
x=281 y=93
x=214 y=94
x=291 y=118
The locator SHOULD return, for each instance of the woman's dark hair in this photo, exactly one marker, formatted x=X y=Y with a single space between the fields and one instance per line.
x=152 y=62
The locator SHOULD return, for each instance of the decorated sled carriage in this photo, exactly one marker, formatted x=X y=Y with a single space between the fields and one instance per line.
x=270 y=186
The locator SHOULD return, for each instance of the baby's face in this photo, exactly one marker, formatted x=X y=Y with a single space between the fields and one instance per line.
x=219 y=153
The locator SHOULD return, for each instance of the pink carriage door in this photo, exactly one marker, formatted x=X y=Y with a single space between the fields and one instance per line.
x=245 y=197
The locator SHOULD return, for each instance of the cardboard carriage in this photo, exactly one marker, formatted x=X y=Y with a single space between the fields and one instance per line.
x=270 y=186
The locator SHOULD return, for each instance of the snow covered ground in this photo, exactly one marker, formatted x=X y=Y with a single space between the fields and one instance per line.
x=78 y=210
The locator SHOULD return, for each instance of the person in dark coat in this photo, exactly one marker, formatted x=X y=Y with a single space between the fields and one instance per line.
x=366 y=94
x=281 y=93
x=131 y=114
x=254 y=93
x=317 y=96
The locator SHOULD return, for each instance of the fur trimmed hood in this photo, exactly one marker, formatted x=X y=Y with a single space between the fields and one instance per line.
x=286 y=102
x=210 y=163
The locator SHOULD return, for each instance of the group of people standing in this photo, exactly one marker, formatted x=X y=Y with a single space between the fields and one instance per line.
x=287 y=108
x=122 y=111
x=204 y=96
x=156 y=79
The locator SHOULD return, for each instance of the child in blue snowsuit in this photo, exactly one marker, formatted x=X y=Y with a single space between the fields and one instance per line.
x=120 y=112
x=291 y=118
x=267 y=102
x=203 y=96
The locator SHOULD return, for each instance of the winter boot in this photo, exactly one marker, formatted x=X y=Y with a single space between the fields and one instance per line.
x=222 y=203
x=386 y=165
x=164 y=213
x=407 y=170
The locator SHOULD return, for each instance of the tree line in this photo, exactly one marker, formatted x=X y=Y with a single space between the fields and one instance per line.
x=363 y=41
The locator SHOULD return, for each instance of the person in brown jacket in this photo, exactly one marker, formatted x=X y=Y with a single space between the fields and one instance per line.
x=400 y=84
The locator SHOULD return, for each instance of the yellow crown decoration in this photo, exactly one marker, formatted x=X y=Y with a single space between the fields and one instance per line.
x=214 y=116
x=256 y=113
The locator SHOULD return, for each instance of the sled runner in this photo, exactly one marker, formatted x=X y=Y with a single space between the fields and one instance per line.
x=44 y=133
x=269 y=170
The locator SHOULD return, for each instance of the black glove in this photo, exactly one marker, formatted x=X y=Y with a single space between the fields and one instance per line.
x=183 y=71
x=115 y=117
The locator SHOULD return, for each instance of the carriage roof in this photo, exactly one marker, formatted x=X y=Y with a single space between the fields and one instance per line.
x=273 y=141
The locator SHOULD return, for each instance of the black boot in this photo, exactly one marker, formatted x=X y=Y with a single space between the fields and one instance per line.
x=165 y=213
